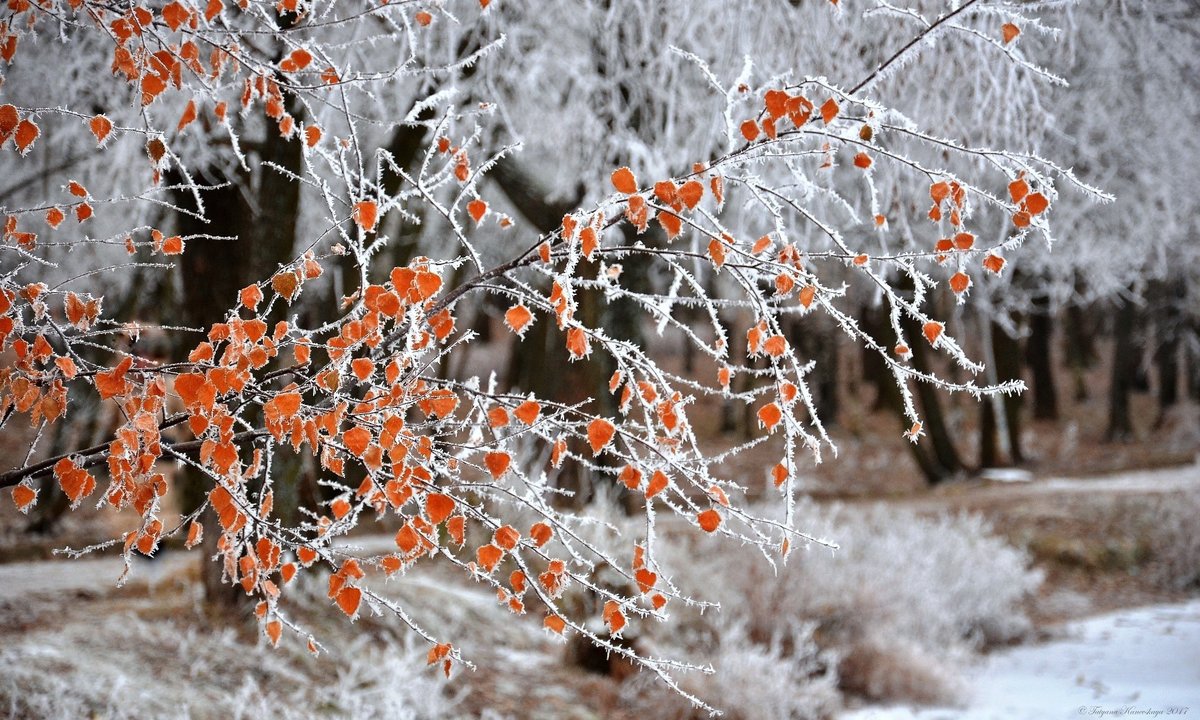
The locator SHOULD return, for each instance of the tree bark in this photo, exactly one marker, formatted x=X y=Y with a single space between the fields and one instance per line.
x=1039 y=357
x=214 y=271
x=1080 y=348
x=949 y=464
x=1166 y=355
x=1007 y=355
x=1124 y=370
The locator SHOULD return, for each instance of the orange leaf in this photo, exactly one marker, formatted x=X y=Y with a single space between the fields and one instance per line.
x=671 y=224
x=624 y=181
x=862 y=160
x=54 y=217
x=340 y=508
x=776 y=103
x=775 y=346
x=27 y=133
x=1036 y=203
x=274 y=629
x=959 y=282
x=577 y=343
x=195 y=534
x=297 y=60
x=600 y=433
x=497 y=463
x=488 y=557
x=506 y=537
x=100 y=127
x=709 y=520
x=541 y=533
x=348 y=599
x=691 y=193
x=779 y=474
x=518 y=318
x=366 y=214
x=716 y=251
x=173 y=245
x=1018 y=189
x=356 y=440
x=939 y=191
x=312 y=135
x=750 y=130
x=829 y=110
x=993 y=263
x=23 y=496
x=442 y=324
x=769 y=416
x=188 y=385
x=438 y=507
x=175 y=15
x=555 y=624
x=613 y=616
x=1010 y=32
x=457 y=527
x=188 y=116
x=658 y=483
x=250 y=296
x=528 y=411
x=646 y=580
x=423 y=18
x=112 y=383
x=477 y=209
x=932 y=331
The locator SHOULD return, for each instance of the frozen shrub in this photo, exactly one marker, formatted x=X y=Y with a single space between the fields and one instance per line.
x=903 y=599
x=126 y=667
x=1175 y=540
x=786 y=678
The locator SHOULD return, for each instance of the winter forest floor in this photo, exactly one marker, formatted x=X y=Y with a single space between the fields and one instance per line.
x=1108 y=527
x=151 y=640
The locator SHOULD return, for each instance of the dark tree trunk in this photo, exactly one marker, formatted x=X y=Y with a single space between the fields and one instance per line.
x=874 y=369
x=816 y=340
x=1007 y=355
x=1124 y=371
x=1080 y=348
x=1038 y=355
x=989 y=439
x=1166 y=356
x=922 y=454
x=934 y=419
x=213 y=272
x=1193 y=364
x=935 y=455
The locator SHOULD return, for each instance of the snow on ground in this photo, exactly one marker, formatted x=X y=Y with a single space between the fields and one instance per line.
x=1135 y=663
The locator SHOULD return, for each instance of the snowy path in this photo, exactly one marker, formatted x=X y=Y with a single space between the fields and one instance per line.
x=1134 y=663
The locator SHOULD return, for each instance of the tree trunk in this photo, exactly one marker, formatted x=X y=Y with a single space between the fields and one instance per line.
x=213 y=271
x=874 y=369
x=989 y=439
x=1080 y=348
x=1124 y=369
x=1038 y=355
x=1006 y=352
x=933 y=418
x=817 y=340
x=1166 y=355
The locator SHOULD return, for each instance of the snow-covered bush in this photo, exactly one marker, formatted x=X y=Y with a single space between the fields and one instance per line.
x=128 y=667
x=790 y=677
x=1175 y=540
x=904 y=599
